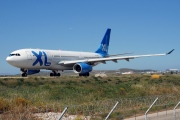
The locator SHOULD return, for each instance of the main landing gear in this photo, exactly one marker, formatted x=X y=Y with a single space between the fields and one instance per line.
x=55 y=73
x=84 y=74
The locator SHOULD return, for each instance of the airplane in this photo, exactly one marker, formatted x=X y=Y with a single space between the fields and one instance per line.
x=31 y=61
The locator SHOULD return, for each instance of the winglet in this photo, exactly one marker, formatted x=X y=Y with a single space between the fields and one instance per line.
x=170 y=52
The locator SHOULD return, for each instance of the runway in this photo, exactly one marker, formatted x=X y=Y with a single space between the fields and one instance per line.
x=13 y=77
x=164 y=115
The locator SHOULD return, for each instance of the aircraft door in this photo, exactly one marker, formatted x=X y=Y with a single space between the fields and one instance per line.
x=29 y=56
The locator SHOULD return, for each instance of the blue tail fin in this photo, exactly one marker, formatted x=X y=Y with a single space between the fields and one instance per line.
x=103 y=49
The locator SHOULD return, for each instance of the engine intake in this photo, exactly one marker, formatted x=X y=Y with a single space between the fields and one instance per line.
x=82 y=68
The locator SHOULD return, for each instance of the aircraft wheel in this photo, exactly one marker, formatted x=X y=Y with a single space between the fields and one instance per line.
x=24 y=75
x=58 y=74
x=51 y=74
x=87 y=74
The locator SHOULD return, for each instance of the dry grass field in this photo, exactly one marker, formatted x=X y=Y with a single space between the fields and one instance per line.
x=43 y=92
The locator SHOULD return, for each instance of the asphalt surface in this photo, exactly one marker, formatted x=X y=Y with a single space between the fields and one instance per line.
x=164 y=115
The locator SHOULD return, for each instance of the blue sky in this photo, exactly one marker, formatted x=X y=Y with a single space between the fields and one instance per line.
x=139 y=26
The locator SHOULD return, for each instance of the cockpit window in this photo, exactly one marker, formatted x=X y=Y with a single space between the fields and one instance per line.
x=15 y=54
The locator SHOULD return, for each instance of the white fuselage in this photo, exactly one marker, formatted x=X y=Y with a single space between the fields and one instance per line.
x=31 y=61
x=46 y=59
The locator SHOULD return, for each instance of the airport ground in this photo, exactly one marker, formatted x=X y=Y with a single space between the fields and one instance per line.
x=43 y=92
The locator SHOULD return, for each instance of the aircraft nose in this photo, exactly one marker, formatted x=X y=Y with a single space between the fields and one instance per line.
x=12 y=61
x=9 y=60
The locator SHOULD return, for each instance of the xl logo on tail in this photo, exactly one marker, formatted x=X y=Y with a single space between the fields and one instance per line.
x=39 y=60
x=104 y=48
x=104 y=44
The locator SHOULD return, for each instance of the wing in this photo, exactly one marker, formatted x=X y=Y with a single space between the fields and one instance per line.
x=114 y=59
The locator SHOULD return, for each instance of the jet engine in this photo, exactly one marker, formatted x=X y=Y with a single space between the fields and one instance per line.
x=82 y=68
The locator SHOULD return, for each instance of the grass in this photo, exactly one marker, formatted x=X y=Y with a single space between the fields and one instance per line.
x=39 y=92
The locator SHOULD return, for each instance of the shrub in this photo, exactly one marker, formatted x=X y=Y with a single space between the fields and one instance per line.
x=36 y=79
x=46 y=86
x=21 y=101
x=20 y=79
x=4 y=105
x=2 y=83
x=53 y=82
x=122 y=91
x=5 y=79
x=79 y=117
x=109 y=80
x=29 y=83
x=137 y=79
x=95 y=78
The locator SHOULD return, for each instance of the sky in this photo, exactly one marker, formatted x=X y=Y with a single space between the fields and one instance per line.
x=138 y=26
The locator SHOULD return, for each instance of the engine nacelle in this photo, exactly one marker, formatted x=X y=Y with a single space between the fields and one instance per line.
x=82 y=68
x=30 y=72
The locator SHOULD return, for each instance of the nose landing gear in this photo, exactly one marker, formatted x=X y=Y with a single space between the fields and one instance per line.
x=55 y=73
x=23 y=72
